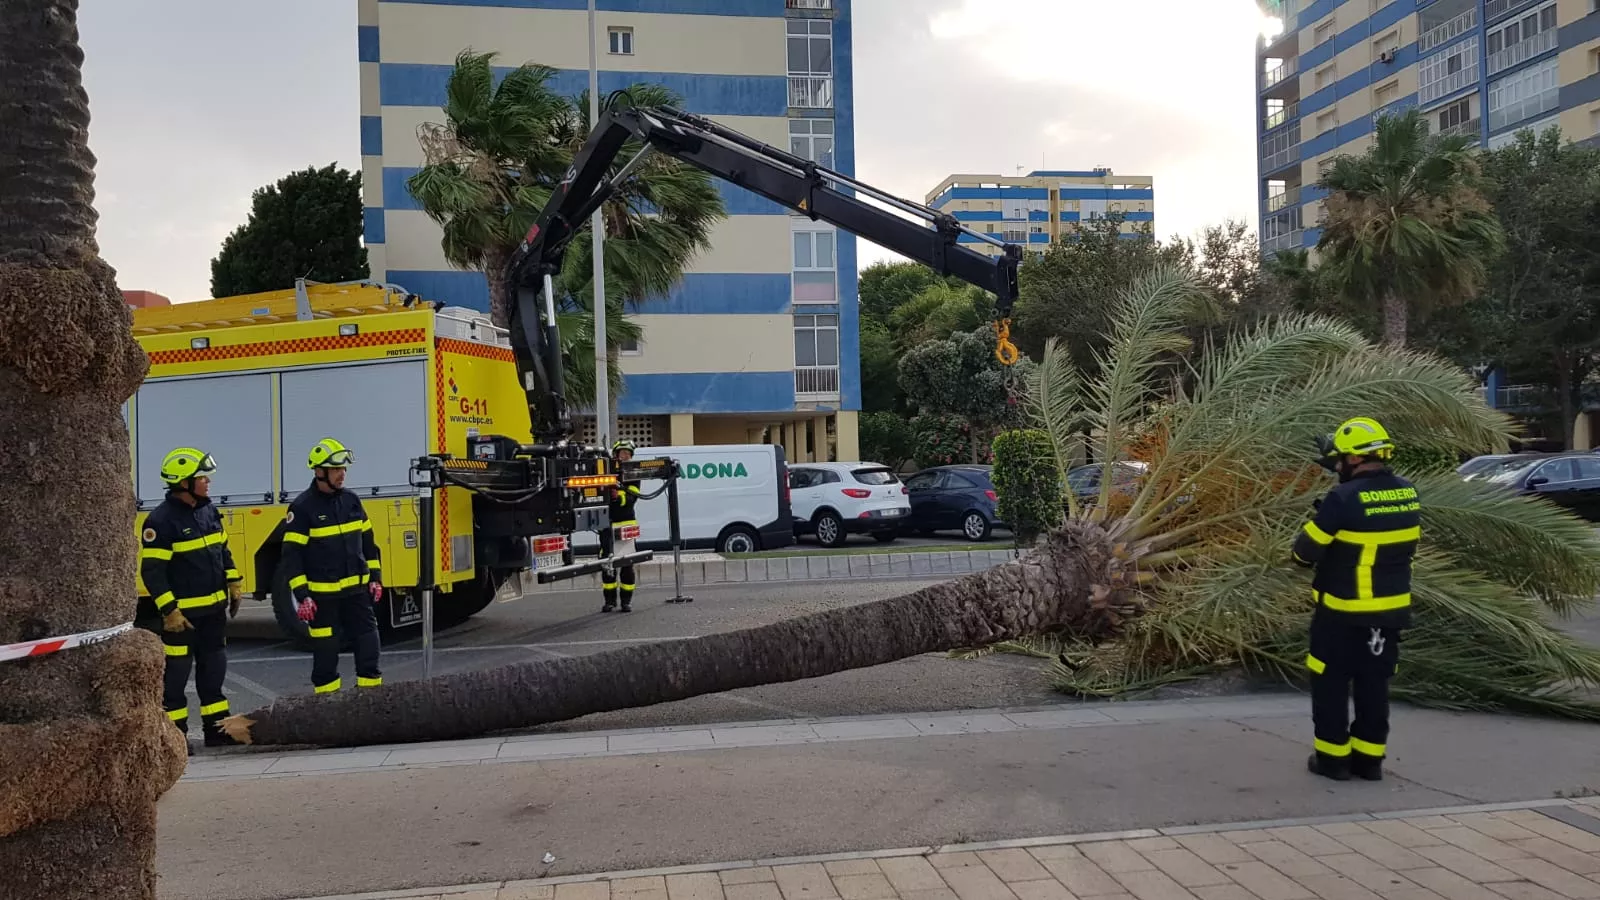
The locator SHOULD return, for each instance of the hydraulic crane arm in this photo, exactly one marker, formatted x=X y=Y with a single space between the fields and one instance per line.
x=778 y=175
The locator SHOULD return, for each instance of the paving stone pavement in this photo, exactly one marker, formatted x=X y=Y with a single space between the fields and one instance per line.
x=711 y=569
x=1542 y=850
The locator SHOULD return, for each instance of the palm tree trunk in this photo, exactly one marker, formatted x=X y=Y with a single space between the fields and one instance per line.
x=1055 y=586
x=85 y=749
x=1396 y=319
x=495 y=262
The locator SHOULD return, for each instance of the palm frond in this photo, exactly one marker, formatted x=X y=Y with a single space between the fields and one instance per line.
x=1055 y=401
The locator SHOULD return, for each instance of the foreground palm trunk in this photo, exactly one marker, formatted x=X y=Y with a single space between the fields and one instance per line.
x=1070 y=581
x=85 y=749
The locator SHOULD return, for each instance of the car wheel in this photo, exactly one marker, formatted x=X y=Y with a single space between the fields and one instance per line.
x=886 y=537
x=975 y=526
x=830 y=530
x=738 y=539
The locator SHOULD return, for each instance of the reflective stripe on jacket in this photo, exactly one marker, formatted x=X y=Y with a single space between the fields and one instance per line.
x=328 y=545
x=1361 y=542
x=184 y=557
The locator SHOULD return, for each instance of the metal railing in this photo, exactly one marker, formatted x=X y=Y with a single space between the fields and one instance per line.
x=1494 y=9
x=1277 y=118
x=1290 y=197
x=1278 y=73
x=1472 y=128
x=808 y=4
x=1447 y=31
x=1451 y=83
x=811 y=91
x=1522 y=51
x=1281 y=149
x=1289 y=240
x=816 y=379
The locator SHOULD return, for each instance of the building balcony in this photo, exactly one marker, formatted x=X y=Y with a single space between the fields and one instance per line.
x=1494 y=9
x=1280 y=149
x=811 y=91
x=1537 y=105
x=1290 y=197
x=1277 y=118
x=1472 y=128
x=1521 y=52
x=1445 y=32
x=1449 y=84
x=808 y=4
x=1288 y=240
x=1278 y=73
x=816 y=382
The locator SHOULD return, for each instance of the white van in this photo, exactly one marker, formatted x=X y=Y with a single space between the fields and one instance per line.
x=732 y=498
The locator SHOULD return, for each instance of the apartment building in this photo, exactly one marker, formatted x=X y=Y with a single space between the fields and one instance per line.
x=1035 y=209
x=1488 y=68
x=760 y=341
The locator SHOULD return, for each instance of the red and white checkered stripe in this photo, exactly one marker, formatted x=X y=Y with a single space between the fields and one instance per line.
x=46 y=646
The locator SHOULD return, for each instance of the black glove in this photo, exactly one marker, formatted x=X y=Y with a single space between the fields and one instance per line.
x=1327 y=456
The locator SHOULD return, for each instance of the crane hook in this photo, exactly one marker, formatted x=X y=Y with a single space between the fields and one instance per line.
x=1004 y=350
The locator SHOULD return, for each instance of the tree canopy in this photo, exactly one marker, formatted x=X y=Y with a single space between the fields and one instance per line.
x=305 y=225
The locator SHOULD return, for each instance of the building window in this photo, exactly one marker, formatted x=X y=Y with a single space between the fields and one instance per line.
x=1326 y=122
x=813 y=139
x=1445 y=73
x=811 y=63
x=629 y=347
x=1456 y=117
x=1386 y=94
x=1522 y=38
x=815 y=267
x=621 y=40
x=1386 y=46
x=1524 y=94
x=1325 y=76
x=1323 y=33
x=816 y=341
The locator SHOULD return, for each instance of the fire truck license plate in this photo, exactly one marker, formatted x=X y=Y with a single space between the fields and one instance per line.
x=547 y=560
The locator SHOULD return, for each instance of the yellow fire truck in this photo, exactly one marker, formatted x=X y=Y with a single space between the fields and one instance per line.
x=257 y=380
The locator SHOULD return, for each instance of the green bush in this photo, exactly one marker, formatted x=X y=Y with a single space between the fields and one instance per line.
x=887 y=438
x=942 y=440
x=1029 y=485
x=1412 y=460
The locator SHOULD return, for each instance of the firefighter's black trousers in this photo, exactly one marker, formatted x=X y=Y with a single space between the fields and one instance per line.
x=350 y=614
x=612 y=579
x=204 y=649
x=1351 y=660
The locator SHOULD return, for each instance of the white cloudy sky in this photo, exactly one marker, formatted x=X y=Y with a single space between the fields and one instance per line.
x=197 y=103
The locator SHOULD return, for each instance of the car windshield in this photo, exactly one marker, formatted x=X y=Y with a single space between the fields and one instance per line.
x=1507 y=470
x=874 y=476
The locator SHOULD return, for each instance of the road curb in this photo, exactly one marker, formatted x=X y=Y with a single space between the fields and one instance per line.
x=971 y=847
x=820 y=567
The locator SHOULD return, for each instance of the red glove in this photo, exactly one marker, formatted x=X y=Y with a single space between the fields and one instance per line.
x=377 y=591
x=306 y=609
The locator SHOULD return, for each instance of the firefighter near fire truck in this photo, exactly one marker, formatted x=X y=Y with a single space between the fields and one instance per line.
x=334 y=569
x=1361 y=542
x=186 y=564
x=624 y=502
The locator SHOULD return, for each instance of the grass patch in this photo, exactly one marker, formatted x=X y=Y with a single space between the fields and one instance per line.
x=864 y=549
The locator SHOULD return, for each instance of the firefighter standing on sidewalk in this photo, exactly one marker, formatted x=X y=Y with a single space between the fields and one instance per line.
x=334 y=569
x=1361 y=542
x=189 y=572
x=624 y=501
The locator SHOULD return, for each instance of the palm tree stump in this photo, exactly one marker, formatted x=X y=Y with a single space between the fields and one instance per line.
x=85 y=749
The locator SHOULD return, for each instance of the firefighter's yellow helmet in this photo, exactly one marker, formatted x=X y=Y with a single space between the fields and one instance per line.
x=1362 y=436
x=185 y=463
x=329 y=454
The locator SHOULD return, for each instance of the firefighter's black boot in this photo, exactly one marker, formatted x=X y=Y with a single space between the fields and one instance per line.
x=609 y=590
x=1366 y=768
x=216 y=737
x=1335 y=767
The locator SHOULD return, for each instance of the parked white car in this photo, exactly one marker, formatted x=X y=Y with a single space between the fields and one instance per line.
x=836 y=500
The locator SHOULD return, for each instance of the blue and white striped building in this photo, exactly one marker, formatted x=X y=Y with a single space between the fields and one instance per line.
x=761 y=337
x=1036 y=209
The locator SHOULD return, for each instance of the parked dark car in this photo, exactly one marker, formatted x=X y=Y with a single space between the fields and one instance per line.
x=1480 y=466
x=1084 y=481
x=1571 y=480
x=953 y=498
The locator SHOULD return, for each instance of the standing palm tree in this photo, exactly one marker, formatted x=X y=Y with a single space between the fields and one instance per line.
x=1407 y=221
x=492 y=165
x=1191 y=573
x=85 y=750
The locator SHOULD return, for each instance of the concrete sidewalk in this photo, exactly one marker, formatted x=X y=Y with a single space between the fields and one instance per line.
x=1534 y=851
x=417 y=817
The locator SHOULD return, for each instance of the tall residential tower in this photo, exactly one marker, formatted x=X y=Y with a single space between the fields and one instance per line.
x=1488 y=68
x=761 y=337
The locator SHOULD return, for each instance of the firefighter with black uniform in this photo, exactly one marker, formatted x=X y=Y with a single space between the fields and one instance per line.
x=1360 y=541
x=334 y=569
x=624 y=501
x=188 y=569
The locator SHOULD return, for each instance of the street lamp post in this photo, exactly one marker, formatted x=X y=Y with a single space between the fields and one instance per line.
x=602 y=347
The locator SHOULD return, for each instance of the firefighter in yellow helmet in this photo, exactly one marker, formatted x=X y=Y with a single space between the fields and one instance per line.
x=188 y=569
x=334 y=569
x=1361 y=542
x=623 y=511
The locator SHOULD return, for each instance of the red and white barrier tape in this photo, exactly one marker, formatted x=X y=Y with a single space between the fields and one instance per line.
x=46 y=646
